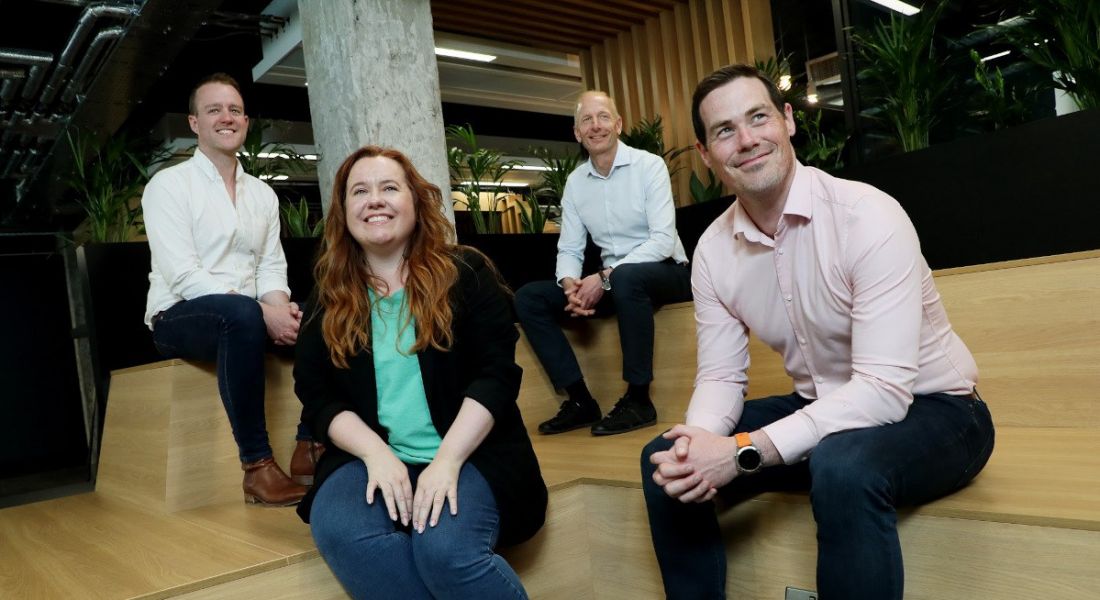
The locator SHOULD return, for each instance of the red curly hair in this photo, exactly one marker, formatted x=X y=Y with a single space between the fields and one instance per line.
x=343 y=274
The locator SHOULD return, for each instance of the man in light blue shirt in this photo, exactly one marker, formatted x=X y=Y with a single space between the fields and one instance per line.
x=622 y=197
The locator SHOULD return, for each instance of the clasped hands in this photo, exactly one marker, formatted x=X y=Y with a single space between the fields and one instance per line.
x=283 y=322
x=581 y=296
x=437 y=482
x=698 y=464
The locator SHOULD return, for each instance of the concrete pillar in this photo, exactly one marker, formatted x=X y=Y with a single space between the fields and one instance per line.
x=373 y=80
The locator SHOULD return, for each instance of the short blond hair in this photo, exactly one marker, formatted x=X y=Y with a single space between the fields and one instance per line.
x=586 y=94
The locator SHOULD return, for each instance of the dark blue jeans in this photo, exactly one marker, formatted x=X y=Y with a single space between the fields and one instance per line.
x=857 y=479
x=636 y=291
x=227 y=329
x=374 y=557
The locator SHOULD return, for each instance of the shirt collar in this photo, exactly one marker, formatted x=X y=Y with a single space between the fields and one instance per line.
x=207 y=168
x=799 y=203
x=624 y=155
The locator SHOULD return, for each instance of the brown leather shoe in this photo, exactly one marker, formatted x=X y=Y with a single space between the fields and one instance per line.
x=304 y=461
x=265 y=483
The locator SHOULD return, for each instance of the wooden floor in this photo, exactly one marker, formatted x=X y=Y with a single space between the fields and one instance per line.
x=1029 y=526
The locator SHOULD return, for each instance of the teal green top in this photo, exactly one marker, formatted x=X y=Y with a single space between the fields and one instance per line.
x=402 y=403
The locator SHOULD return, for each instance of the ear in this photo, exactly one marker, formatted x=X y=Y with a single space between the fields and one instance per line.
x=193 y=121
x=788 y=119
x=577 y=134
x=702 y=150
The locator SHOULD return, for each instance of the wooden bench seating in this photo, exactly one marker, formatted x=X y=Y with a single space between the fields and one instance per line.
x=167 y=518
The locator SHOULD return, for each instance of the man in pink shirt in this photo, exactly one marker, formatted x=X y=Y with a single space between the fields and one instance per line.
x=829 y=273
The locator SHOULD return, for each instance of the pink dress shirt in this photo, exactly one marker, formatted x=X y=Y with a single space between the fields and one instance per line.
x=842 y=293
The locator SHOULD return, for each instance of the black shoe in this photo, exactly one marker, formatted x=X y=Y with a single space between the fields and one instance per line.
x=627 y=415
x=572 y=415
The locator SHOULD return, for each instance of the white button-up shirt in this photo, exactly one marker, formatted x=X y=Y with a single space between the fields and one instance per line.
x=630 y=213
x=842 y=293
x=204 y=243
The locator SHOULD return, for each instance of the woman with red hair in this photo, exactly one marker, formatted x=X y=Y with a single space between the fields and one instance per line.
x=407 y=372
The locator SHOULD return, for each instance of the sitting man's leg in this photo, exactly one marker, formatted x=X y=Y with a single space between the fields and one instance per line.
x=539 y=305
x=860 y=477
x=686 y=537
x=229 y=329
x=637 y=290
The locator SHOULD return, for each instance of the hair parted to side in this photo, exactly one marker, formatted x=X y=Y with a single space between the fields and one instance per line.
x=212 y=78
x=721 y=77
x=343 y=274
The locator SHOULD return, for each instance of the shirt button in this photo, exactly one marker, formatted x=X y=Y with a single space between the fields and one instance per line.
x=779 y=251
x=819 y=379
x=787 y=297
x=802 y=341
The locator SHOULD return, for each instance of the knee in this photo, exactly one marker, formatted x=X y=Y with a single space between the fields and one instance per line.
x=445 y=564
x=243 y=314
x=658 y=444
x=625 y=277
x=530 y=300
x=843 y=486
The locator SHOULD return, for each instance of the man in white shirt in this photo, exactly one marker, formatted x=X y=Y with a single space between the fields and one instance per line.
x=622 y=197
x=218 y=290
x=829 y=273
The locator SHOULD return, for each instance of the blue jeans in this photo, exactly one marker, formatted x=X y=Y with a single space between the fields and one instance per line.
x=637 y=290
x=856 y=479
x=374 y=557
x=227 y=329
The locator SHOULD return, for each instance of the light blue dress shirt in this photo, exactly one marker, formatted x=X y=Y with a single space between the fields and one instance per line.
x=629 y=213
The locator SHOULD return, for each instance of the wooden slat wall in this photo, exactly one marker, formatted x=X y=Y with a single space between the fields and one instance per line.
x=652 y=68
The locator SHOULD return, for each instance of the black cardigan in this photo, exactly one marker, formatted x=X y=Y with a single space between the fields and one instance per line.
x=480 y=365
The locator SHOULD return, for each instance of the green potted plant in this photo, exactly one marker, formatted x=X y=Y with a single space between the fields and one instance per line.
x=296 y=220
x=904 y=76
x=1063 y=37
x=820 y=148
x=649 y=135
x=475 y=170
x=108 y=179
x=701 y=192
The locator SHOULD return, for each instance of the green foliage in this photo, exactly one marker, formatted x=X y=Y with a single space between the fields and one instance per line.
x=532 y=216
x=997 y=104
x=775 y=68
x=296 y=220
x=649 y=135
x=906 y=78
x=821 y=149
x=553 y=180
x=1062 y=36
x=473 y=170
x=108 y=179
x=704 y=193
x=267 y=159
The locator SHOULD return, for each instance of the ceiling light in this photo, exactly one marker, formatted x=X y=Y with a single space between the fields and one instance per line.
x=501 y=184
x=997 y=55
x=530 y=168
x=477 y=56
x=811 y=98
x=898 y=6
x=784 y=82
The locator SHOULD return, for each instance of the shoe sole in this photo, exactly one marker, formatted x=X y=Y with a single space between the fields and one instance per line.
x=628 y=430
x=250 y=499
x=575 y=427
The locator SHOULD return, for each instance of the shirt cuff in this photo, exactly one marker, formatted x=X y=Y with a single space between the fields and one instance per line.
x=716 y=406
x=793 y=437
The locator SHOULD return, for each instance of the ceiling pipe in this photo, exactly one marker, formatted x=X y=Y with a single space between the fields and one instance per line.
x=95 y=49
x=7 y=91
x=80 y=33
x=15 y=156
x=37 y=62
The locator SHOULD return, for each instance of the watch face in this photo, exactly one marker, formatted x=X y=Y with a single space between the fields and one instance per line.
x=748 y=459
x=606 y=285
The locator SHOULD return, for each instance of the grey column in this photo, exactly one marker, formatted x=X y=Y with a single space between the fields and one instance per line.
x=373 y=80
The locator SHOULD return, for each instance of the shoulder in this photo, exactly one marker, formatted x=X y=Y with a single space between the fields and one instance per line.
x=719 y=229
x=170 y=177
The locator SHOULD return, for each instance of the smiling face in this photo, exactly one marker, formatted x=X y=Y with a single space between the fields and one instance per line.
x=748 y=139
x=379 y=205
x=597 y=124
x=219 y=121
